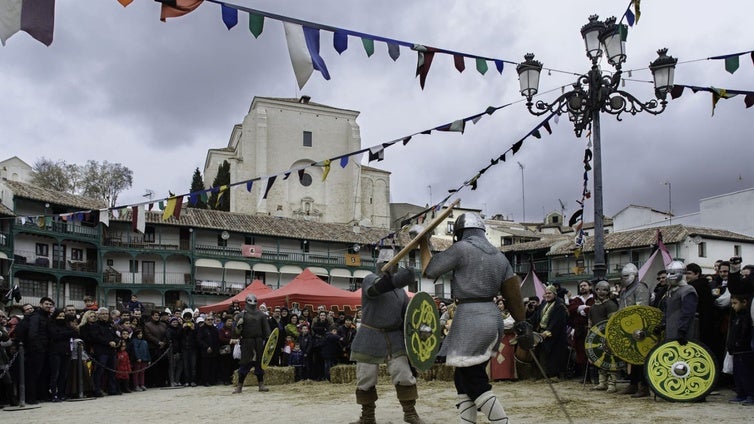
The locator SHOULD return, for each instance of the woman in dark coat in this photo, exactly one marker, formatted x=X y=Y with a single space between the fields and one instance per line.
x=553 y=351
x=61 y=332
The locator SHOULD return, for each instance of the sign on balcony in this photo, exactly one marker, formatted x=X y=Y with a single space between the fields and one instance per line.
x=251 y=250
x=353 y=259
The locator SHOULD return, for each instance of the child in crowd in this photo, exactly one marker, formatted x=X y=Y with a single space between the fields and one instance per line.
x=123 y=367
x=306 y=343
x=287 y=349
x=140 y=359
x=296 y=360
x=739 y=346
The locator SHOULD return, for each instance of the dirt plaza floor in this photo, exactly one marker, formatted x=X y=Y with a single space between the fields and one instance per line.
x=529 y=401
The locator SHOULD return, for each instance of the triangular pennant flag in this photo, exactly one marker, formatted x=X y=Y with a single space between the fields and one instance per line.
x=312 y=44
x=676 y=91
x=476 y=119
x=717 y=94
x=256 y=24
x=749 y=100
x=134 y=218
x=536 y=134
x=326 y=170
x=340 y=41
x=300 y=175
x=494 y=161
x=499 y=64
x=490 y=110
x=481 y=65
x=630 y=18
x=116 y=214
x=458 y=60
x=178 y=207
x=170 y=208
x=10 y=18
x=286 y=175
x=376 y=153
x=125 y=2
x=502 y=157
x=426 y=132
x=230 y=16
x=177 y=8
x=637 y=10
x=300 y=58
x=344 y=161
x=368 y=44
x=37 y=18
x=623 y=31
x=406 y=140
x=546 y=125
x=220 y=193
x=731 y=64
x=104 y=215
x=249 y=184
x=517 y=146
x=203 y=197
x=752 y=56
x=394 y=51
x=423 y=62
x=270 y=182
x=193 y=198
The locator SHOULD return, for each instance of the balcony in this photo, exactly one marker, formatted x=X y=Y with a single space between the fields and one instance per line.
x=31 y=261
x=133 y=241
x=168 y=278
x=69 y=229
x=294 y=257
x=226 y=288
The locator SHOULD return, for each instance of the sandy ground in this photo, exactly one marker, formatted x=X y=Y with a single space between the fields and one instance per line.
x=316 y=402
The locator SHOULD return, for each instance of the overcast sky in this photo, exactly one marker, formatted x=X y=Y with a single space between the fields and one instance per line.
x=119 y=85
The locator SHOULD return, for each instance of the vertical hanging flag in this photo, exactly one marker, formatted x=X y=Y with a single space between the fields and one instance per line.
x=230 y=16
x=481 y=66
x=178 y=207
x=368 y=44
x=256 y=24
x=36 y=18
x=394 y=51
x=303 y=48
x=326 y=170
x=177 y=8
x=340 y=41
x=376 y=153
x=637 y=10
x=169 y=209
x=424 y=56
x=499 y=65
x=270 y=182
x=630 y=18
x=458 y=61
x=104 y=217
x=731 y=64
x=344 y=161
x=138 y=223
x=220 y=193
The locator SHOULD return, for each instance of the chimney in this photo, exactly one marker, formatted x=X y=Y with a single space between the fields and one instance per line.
x=304 y=99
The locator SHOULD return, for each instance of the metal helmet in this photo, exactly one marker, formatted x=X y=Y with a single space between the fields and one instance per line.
x=602 y=287
x=467 y=220
x=251 y=300
x=629 y=274
x=675 y=270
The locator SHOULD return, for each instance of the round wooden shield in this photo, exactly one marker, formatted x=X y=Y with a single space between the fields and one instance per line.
x=681 y=373
x=630 y=332
x=269 y=348
x=421 y=329
x=597 y=351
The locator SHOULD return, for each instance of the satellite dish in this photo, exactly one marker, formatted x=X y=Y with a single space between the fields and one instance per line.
x=225 y=235
x=697 y=239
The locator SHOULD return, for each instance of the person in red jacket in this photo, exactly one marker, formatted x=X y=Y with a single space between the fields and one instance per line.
x=123 y=367
x=578 y=317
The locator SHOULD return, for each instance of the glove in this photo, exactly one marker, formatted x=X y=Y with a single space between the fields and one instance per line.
x=657 y=331
x=682 y=340
x=387 y=282
x=524 y=335
x=582 y=310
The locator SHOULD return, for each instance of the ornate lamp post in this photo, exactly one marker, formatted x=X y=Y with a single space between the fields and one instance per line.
x=595 y=92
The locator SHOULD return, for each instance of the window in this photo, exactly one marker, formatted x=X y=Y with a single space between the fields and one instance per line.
x=77 y=254
x=736 y=250
x=702 y=249
x=635 y=258
x=440 y=290
x=43 y=249
x=149 y=234
x=306 y=179
x=110 y=262
x=147 y=272
x=133 y=266
x=449 y=229
x=307 y=139
x=248 y=240
x=77 y=290
x=506 y=241
x=555 y=219
x=33 y=288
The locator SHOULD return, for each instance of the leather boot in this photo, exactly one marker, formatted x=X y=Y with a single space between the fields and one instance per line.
x=407 y=396
x=488 y=404
x=239 y=387
x=642 y=392
x=262 y=387
x=631 y=389
x=466 y=410
x=367 y=399
x=602 y=385
x=610 y=383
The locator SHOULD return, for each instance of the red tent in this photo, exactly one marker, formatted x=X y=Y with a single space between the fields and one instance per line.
x=257 y=288
x=308 y=290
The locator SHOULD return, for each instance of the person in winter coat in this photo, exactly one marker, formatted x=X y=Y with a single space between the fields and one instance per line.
x=61 y=333
x=140 y=358
x=208 y=340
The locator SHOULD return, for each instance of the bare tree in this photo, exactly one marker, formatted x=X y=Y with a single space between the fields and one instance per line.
x=51 y=175
x=105 y=181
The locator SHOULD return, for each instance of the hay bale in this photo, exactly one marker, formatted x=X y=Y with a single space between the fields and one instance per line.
x=273 y=376
x=341 y=374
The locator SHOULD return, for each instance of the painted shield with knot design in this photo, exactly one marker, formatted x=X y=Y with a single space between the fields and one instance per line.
x=421 y=329
x=269 y=348
x=598 y=352
x=633 y=331
x=681 y=373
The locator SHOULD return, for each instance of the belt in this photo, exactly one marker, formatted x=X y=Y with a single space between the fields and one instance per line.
x=473 y=300
x=382 y=329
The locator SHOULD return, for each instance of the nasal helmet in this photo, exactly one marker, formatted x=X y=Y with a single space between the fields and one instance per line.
x=466 y=221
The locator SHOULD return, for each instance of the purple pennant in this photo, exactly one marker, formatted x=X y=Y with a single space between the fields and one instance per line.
x=311 y=35
x=394 y=51
x=38 y=19
x=249 y=184
x=230 y=16
x=630 y=18
x=344 y=161
x=499 y=65
x=340 y=41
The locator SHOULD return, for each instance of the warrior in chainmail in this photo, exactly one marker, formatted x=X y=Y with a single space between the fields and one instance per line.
x=634 y=292
x=480 y=272
x=679 y=305
x=252 y=328
x=380 y=340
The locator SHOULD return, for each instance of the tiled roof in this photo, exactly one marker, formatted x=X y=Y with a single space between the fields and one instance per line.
x=545 y=243
x=4 y=210
x=28 y=191
x=266 y=225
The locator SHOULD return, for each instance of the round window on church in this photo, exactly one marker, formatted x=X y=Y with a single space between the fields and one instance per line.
x=306 y=180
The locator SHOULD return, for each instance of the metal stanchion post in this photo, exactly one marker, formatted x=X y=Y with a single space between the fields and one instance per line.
x=21 y=383
x=80 y=372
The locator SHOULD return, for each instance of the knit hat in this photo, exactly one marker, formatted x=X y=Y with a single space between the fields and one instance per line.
x=551 y=288
x=200 y=319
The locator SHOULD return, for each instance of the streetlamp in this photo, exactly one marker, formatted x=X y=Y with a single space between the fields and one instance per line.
x=593 y=93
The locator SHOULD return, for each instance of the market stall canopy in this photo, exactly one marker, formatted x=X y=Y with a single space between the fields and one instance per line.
x=310 y=291
x=256 y=288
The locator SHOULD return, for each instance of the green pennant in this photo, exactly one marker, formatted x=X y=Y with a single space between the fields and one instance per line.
x=368 y=46
x=481 y=66
x=203 y=197
x=256 y=24
x=161 y=205
x=731 y=64
x=623 y=30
